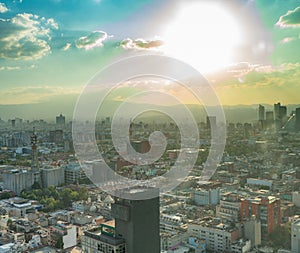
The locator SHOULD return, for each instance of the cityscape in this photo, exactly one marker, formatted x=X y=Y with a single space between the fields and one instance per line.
x=251 y=204
x=148 y=126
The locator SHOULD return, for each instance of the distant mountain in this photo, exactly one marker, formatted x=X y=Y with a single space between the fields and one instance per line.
x=66 y=104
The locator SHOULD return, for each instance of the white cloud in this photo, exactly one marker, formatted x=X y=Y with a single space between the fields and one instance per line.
x=67 y=47
x=52 y=23
x=141 y=44
x=3 y=8
x=32 y=66
x=25 y=37
x=34 y=94
x=10 y=68
x=286 y=40
x=93 y=40
x=290 y=19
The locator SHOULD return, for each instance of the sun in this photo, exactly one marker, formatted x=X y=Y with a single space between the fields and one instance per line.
x=204 y=35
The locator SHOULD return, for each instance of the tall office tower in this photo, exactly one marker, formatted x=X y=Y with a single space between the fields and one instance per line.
x=297 y=124
x=267 y=210
x=269 y=119
x=137 y=221
x=261 y=116
x=211 y=122
x=261 y=113
x=280 y=115
x=295 y=236
x=60 y=120
x=276 y=110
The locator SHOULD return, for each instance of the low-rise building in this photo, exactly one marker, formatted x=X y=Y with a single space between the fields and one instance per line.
x=218 y=236
x=103 y=239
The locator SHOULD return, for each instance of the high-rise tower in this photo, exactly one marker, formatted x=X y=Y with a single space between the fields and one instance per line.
x=60 y=120
x=297 y=123
x=137 y=221
x=261 y=116
x=261 y=113
x=280 y=113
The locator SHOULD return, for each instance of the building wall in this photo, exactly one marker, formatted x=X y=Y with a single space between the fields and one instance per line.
x=70 y=239
x=268 y=212
x=52 y=176
x=296 y=198
x=207 y=197
x=252 y=231
x=216 y=239
x=295 y=236
x=137 y=221
x=92 y=244
x=73 y=173
x=16 y=182
x=297 y=124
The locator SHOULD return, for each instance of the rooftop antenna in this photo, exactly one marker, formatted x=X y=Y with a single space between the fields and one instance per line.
x=34 y=147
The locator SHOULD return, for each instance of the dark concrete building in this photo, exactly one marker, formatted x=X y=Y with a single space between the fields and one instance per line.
x=297 y=123
x=137 y=221
x=60 y=120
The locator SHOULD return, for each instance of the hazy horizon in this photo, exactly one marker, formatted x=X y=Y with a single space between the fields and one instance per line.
x=49 y=110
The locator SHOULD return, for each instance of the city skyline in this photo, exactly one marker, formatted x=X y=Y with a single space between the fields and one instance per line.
x=49 y=51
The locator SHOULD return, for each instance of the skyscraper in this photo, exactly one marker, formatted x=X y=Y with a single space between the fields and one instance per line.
x=280 y=115
x=261 y=117
x=297 y=124
x=60 y=120
x=276 y=110
x=261 y=113
x=269 y=119
x=211 y=122
x=137 y=221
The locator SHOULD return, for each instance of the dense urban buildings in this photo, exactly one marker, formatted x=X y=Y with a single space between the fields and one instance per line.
x=48 y=199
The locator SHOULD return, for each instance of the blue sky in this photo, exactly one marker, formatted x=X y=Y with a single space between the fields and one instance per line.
x=52 y=48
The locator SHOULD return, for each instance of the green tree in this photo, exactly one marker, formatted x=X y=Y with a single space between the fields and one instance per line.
x=9 y=224
x=5 y=195
x=59 y=243
x=83 y=194
x=65 y=197
x=281 y=237
x=35 y=185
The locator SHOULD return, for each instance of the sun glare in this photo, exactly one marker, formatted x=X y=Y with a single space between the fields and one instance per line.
x=203 y=35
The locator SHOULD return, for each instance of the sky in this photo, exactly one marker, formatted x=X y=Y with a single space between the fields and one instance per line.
x=247 y=49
